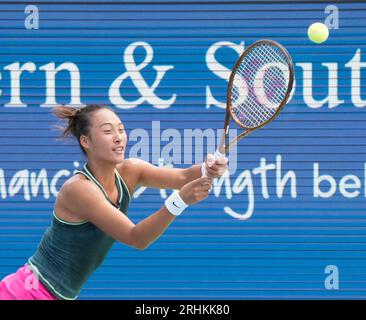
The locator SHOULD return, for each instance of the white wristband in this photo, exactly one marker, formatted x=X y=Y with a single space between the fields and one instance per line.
x=175 y=204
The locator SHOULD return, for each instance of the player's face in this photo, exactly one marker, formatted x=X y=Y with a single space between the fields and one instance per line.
x=108 y=136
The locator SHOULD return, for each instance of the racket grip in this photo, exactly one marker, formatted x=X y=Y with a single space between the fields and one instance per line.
x=218 y=154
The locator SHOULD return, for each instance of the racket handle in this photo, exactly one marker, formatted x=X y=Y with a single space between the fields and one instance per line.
x=218 y=154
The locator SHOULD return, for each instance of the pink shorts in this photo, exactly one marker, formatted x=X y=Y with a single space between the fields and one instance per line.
x=23 y=285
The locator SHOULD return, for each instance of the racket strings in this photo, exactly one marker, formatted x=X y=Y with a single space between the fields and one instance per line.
x=277 y=74
x=238 y=110
x=248 y=111
x=260 y=85
x=251 y=114
x=256 y=112
x=270 y=81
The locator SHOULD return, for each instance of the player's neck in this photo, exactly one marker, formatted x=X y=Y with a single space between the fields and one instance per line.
x=104 y=173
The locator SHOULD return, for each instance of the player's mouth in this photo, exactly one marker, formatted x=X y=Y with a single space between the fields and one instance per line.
x=119 y=150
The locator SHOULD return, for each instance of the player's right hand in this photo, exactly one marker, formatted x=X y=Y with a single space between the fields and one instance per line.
x=215 y=168
x=196 y=190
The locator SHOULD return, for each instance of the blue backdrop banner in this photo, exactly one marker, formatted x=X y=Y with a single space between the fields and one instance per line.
x=285 y=222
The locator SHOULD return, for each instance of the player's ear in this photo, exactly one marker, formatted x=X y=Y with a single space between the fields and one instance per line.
x=85 y=141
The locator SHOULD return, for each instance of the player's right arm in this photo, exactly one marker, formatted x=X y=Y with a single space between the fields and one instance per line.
x=84 y=200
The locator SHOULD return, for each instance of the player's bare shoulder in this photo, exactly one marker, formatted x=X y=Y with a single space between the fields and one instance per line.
x=130 y=171
x=131 y=163
x=75 y=188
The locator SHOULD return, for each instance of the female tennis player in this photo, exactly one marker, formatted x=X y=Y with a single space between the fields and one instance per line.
x=90 y=211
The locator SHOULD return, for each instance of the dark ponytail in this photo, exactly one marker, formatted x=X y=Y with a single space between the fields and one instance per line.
x=79 y=120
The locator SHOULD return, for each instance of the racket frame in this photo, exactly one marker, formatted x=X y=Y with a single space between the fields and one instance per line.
x=223 y=147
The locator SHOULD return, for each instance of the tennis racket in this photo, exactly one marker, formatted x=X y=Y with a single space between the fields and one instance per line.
x=258 y=89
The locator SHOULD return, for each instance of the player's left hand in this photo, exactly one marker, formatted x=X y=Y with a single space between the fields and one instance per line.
x=215 y=168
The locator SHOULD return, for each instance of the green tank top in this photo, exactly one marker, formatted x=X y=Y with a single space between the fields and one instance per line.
x=70 y=252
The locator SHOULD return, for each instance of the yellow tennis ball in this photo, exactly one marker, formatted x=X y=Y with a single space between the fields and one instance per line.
x=318 y=32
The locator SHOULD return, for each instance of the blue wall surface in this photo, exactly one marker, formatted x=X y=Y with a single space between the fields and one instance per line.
x=163 y=67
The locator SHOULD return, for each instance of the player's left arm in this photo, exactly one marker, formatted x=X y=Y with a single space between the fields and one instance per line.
x=173 y=178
